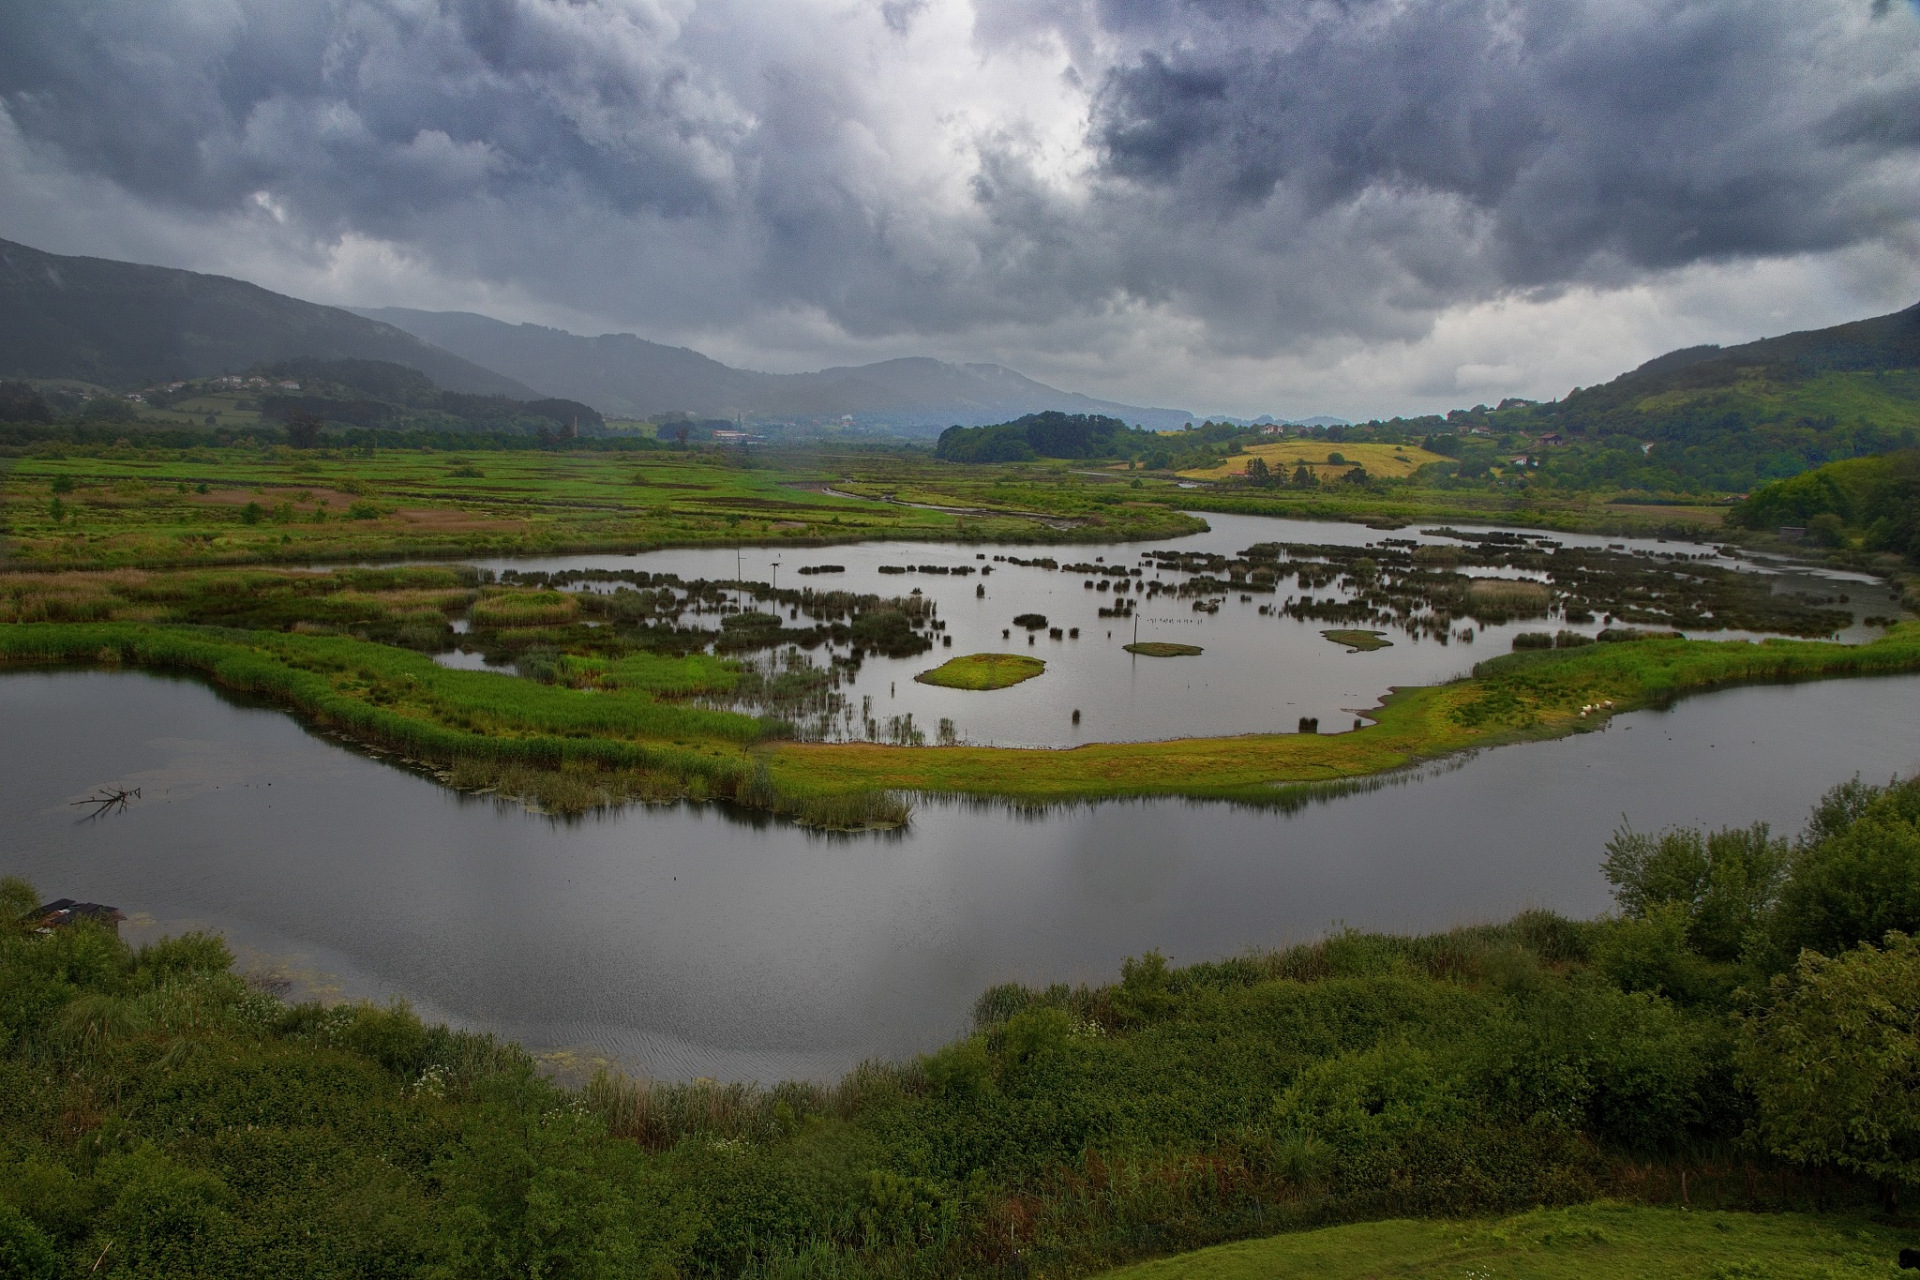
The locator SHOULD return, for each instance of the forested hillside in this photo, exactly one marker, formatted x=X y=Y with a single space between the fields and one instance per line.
x=1703 y=419
x=1872 y=503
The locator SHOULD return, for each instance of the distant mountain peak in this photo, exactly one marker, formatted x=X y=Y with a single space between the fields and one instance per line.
x=626 y=376
x=125 y=325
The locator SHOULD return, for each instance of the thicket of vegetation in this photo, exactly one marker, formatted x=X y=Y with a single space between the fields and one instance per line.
x=1051 y=434
x=1746 y=1019
x=1872 y=504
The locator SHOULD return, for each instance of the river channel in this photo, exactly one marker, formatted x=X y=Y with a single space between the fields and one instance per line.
x=686 y=942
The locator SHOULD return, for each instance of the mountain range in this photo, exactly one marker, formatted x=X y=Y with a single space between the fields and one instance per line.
x=122 y=325
x=627 y=376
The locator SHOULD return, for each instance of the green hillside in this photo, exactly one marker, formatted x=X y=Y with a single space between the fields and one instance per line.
x=300 y=399
x=1703 y=420
x=1869 y=503
x=123 y=326
x=1743 y=415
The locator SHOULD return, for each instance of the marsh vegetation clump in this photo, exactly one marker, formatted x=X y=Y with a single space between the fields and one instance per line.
x=1163 y=649
x=1397 y=584
x=1359 y=641
x=983 y=671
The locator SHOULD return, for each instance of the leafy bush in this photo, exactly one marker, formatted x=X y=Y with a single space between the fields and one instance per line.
x=1834 y=1061
x=1857 y=876
x=1723 y=884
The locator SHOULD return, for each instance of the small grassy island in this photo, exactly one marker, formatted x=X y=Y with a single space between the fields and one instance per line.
x=1163 y=649
x=983 y=671
x=1359 y=641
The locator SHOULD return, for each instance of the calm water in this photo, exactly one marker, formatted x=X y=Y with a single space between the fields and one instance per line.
x=1257 y=674
x=687 y=943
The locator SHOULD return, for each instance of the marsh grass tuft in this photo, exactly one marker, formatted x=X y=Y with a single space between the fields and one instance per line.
x=1359 y=641
x=1163 y=649
x=983 y=671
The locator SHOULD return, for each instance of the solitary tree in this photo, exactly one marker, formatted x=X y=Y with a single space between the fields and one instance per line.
x=303 y=430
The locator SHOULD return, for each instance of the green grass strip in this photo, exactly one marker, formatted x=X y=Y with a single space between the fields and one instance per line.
x=1590 y=1242
x=402 y=700
x=1512 y=698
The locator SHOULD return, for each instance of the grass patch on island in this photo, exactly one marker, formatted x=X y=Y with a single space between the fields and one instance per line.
x=983 y=671
x=1359 y=641
x=1588 y=1242
x=1163 y=649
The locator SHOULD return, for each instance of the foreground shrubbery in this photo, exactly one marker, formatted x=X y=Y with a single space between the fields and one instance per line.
x=160 y=1116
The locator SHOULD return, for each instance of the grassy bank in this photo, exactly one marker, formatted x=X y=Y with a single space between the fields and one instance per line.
x=1588 y=1242
x=1512 y=698
x=632 y=740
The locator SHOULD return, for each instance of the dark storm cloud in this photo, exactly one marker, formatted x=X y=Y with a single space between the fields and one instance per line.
x=1589 y=137
x=1269 y=169
x=362 y=114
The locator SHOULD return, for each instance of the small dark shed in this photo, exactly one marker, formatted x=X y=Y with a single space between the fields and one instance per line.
x=65 y=911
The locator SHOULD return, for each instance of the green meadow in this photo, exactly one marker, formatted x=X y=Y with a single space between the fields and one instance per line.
x=1608 y=1241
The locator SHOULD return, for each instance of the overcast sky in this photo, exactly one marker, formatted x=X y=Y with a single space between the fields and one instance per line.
x=1242 y=206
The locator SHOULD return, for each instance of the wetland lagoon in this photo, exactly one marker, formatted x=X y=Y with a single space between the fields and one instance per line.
x=1262 y=622
x=682 y=940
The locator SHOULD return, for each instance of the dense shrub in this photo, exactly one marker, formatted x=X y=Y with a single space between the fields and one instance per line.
x=1856 y=875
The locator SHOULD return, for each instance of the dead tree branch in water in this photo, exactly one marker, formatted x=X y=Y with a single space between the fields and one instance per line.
x=108 y=800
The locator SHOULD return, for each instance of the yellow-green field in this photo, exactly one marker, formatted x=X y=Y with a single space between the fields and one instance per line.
x=983 y=671
x=1389 y=460
x=1591 y=1242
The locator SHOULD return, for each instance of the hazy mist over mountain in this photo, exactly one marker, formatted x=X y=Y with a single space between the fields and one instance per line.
x=621 y=374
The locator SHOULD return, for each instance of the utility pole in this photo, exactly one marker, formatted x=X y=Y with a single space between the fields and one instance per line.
x=739 y=580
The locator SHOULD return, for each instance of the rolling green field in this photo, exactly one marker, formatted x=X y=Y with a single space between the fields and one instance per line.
x=1589 y=1242
x=129 y=505
x=983 y=671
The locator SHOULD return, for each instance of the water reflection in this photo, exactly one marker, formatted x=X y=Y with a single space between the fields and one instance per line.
x=689 y=943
